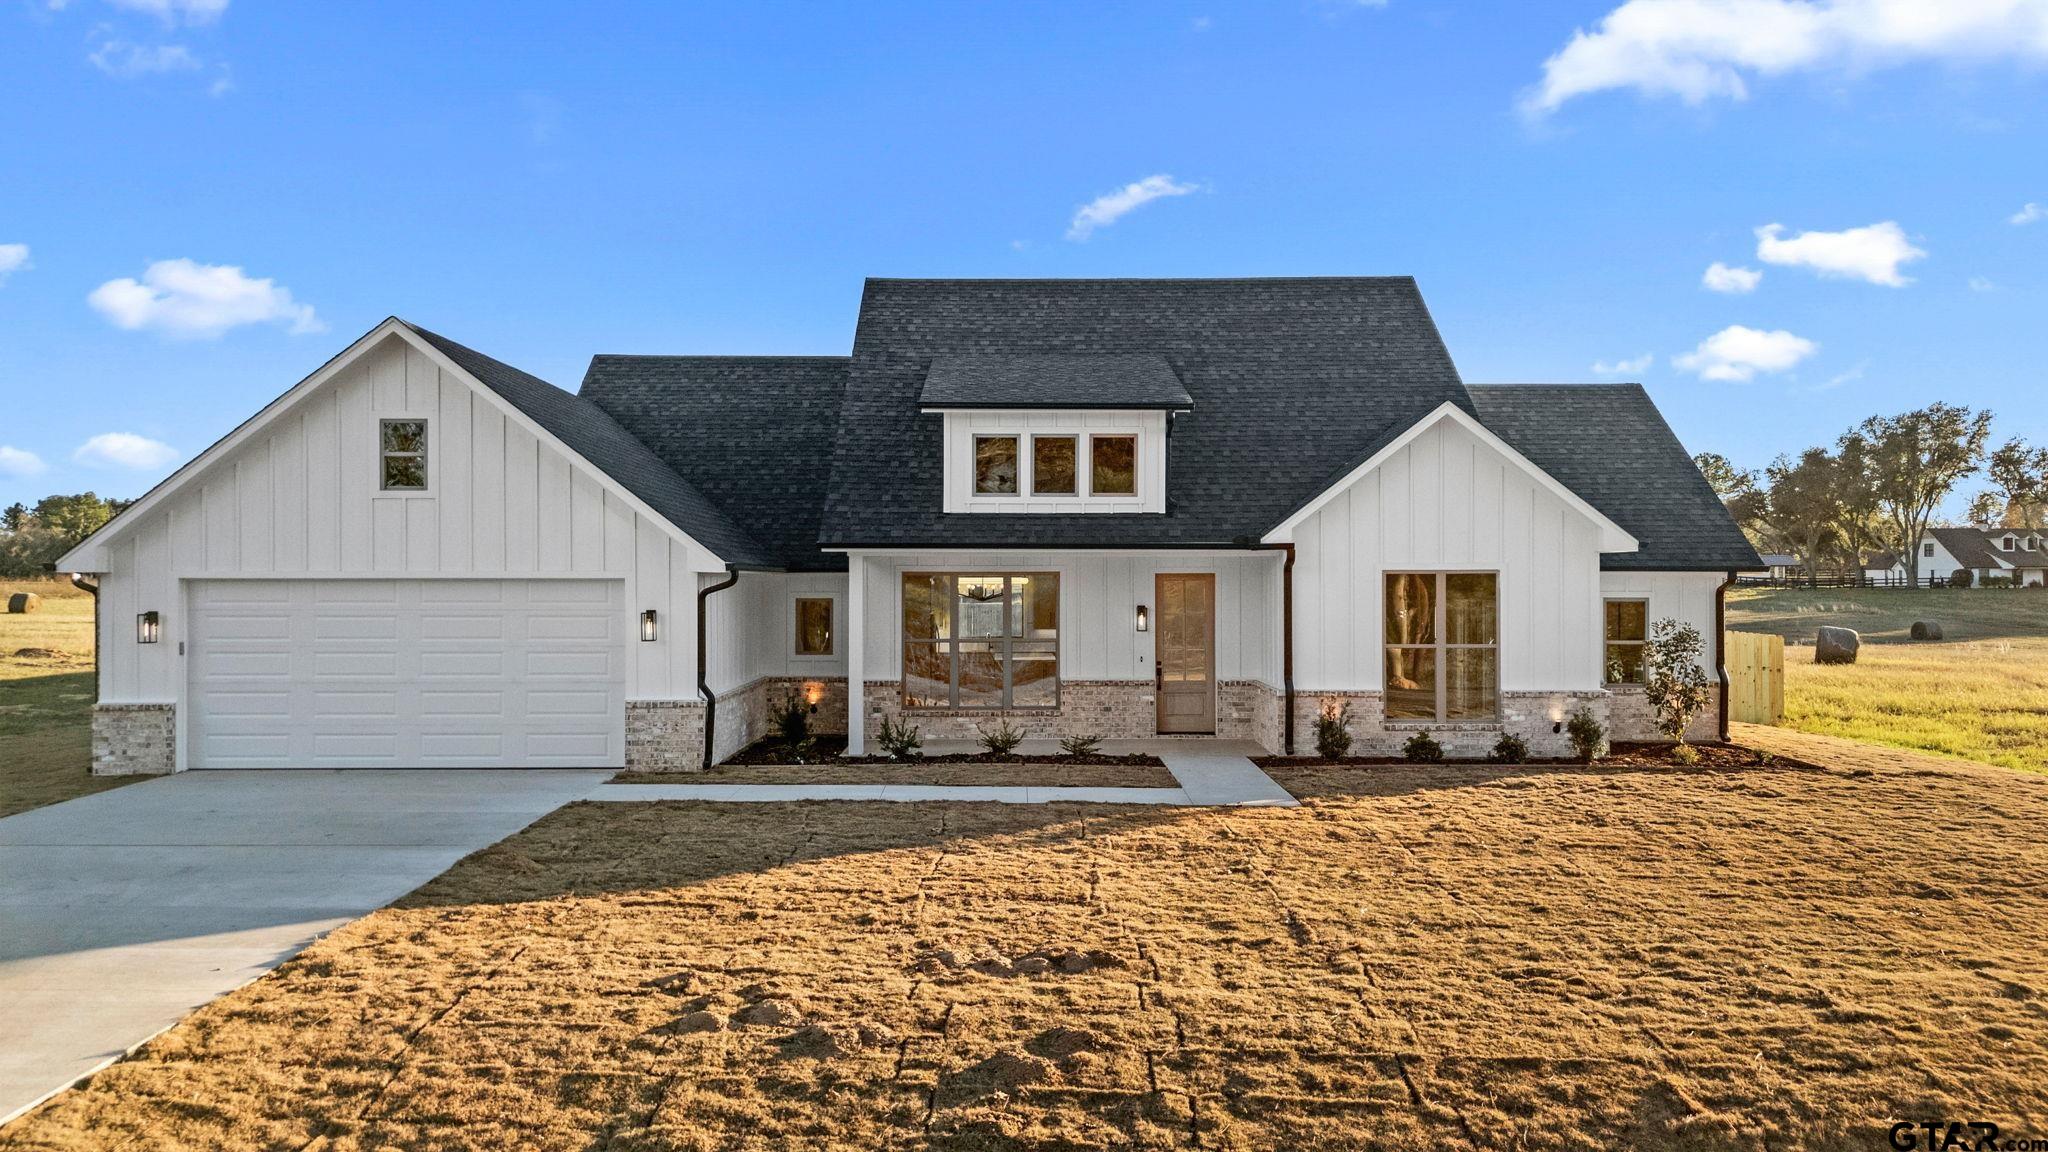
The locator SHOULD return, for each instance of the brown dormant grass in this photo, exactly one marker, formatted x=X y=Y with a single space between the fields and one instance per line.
x=1557 y=958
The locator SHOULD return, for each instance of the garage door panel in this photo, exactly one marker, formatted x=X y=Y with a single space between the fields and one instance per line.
x=397 y=673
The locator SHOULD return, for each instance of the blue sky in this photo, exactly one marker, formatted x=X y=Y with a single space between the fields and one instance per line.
x=202 y=200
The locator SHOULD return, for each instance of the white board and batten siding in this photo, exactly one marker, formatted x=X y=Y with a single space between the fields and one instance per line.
x=1683 y=596
x=1448 y=501
x=1099 y=595
x=299 y=500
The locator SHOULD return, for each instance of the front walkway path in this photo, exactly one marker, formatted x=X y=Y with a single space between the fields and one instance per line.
x=123 y=911
x=1210 y=773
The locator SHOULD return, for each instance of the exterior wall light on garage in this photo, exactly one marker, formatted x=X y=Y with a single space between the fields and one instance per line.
x=149 y=628
x=1144 y=619
x=647 y=625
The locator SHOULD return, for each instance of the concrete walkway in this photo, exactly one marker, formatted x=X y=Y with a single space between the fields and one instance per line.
x=123 y=911
x=1210 y=773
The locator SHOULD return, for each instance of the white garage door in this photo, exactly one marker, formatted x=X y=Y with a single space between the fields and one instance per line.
x=406 y=673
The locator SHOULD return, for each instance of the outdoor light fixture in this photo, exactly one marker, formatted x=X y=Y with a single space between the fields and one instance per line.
x=148 y=628
x=1144 y=619
x=647 y=630
x=813 y=692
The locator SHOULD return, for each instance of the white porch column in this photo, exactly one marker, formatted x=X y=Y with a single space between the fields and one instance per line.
x=856 y=644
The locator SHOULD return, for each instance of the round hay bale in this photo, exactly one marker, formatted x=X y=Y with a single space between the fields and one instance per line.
x=22 y=602
x=1833 y=645
x=1926 y=630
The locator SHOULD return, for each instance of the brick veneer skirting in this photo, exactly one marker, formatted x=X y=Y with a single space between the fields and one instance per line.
x=668 y=735
x=1109 y=709
x=134 y=739
x=1530 y=715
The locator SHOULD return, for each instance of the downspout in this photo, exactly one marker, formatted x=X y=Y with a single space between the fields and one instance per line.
x=704 y=667
x=1286 y=643
x=1721 y=645
x=91 y=589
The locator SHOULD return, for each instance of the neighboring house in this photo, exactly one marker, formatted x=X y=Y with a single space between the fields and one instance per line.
x=2016 y=554
x=1119 y=507
x=1783 y=565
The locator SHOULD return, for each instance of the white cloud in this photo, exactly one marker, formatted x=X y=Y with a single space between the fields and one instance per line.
x=1698 y=50
x=124 y=450
x=19 y=463
x=1737 y=353
x=1720 y=277
x=1873 y=253
x=1629 y=367
x=172 y=11
x=126 y=60
x=183 y=298
x=1982 y=284
x=1107 y=209
x=1201 y=23
x=2028 y=214
x=13 y=258
x=1841 y=378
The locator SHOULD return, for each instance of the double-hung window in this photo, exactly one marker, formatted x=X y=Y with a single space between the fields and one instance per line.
x=1442 y=638
x=981 y=641
x=1628 y=629
x=403 y=446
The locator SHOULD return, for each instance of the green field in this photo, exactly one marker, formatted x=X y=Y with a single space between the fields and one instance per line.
x=1981 y=693
x=46 y=699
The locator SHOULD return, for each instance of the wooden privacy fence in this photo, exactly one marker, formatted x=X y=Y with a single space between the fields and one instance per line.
x=1756 y=677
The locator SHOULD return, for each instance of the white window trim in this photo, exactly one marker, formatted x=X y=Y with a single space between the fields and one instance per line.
x=838 y=627
x=426 y=455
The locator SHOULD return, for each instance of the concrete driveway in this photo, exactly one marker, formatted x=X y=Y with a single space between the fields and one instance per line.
x=121 y=912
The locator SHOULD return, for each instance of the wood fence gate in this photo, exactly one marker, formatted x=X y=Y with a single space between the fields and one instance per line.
x=1756 y=677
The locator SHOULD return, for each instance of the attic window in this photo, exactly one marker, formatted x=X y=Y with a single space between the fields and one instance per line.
x=1114 y=464
x=995 y=465
x=404 y=447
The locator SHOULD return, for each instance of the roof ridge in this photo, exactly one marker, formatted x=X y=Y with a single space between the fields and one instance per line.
x=1381 y=279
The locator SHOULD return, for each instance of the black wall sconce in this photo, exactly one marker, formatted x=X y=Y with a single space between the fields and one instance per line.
x=1144 y=619
x=149 y=628
x=647 y=626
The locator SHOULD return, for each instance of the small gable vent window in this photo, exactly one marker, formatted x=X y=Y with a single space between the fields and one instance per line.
x=404 y=455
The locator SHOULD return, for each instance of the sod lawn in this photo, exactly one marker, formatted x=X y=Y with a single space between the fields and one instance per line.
x=1549 y=958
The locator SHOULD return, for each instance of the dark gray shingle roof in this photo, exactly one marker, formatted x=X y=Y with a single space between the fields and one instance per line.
x=594 y=435
x=1970 y=546
x=1609 y=444
x=1129 y=380
x=754 y=433
x=1291 y=380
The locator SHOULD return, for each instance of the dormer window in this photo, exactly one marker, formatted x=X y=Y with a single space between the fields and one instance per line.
x=995 y=465
x=1113 y=463
x=1053 y=470
x=2006 y=545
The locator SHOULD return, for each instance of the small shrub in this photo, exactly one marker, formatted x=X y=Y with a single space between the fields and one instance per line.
x=1685 y=754
x=1081 y=745
x=1674 y=683
x=1003 y=740
x=900 y=741
x=1960 y=578
x=1588 y=735
x=1422 y=748
x=793 y=719
x=1509 y=749
x=1333 y=730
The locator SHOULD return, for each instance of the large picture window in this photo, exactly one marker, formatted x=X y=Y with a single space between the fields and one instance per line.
x=972 y=641
x=1442 y=646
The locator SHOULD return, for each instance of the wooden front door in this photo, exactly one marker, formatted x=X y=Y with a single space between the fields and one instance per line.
x=1185 y=652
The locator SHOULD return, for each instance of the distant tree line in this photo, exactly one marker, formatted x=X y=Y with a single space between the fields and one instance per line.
x=1879 y=488
x=32 y=538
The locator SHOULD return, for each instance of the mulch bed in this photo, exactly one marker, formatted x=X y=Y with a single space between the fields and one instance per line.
x=832 y=750
x=1626 y=755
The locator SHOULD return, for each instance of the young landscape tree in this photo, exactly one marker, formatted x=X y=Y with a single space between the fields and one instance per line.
x=1909 y=463
x=1674 y=681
